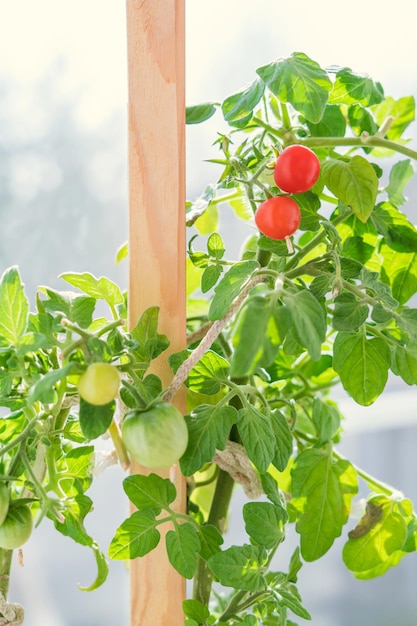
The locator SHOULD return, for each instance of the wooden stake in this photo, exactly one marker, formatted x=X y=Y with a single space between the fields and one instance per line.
x=156 y=61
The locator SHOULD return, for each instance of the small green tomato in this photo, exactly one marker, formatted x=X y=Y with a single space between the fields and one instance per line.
x=99 y=384
x=17 y=527
x=157 y=437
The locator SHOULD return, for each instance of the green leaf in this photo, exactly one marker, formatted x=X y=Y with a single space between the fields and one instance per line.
x=195 y=610
x=77 y=470
x=300 y=81
x=183 y=546
x=354 y=182
x=210 y=277
x=249 y=337
x=400 y=174
x=215 y=246
x=309 y=320
x=208 y=374
x=196 y=209
x=399 y=270
x=95 y=420
x=361 y=120
x=78 y=309
x=265 y=523
x=349 y=312
x=283 y=440
x=404 y=363
x=332 y=124
x=362 y=365
x=402 y=111
x=351 y=88
x=73 y=526
x=135 y=537
x=210 y=539
x=398 y=232
x=230 y=287
x=257 y=436
x=322 y=490
x=240 y=567
x=309 y=205
x=98 y=288
x=30 y=342
x=44 y=389
x=239 y=107
x=290 y=601
x=151 y=343
x=326 y=419
x=199 y=113
x=14 y=307
x=208 y=429
x=149 y=492
x=378 y=541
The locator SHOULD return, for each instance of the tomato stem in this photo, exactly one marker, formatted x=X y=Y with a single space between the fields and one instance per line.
x=5 y=566
x=119 y=446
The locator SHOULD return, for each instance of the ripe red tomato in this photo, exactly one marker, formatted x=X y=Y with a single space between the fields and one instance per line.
x=296 y=169
x=278 y=217
x=157 y=437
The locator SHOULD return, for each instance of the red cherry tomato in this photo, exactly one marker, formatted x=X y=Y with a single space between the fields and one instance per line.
x=296 y=169
x=278 y=217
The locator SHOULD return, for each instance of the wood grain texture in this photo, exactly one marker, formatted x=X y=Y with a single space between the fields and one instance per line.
x=156 y=112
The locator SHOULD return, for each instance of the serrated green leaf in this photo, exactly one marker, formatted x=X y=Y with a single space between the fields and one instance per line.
x=309 y=205
x=149 y=492
x=399 y=270
x=78 y=309
x=362 y=365
x=322 y=490
x=229 y=287
x=30 y=342
x=215 y=246
x=379 y=541
x=44 y=388
x=135 y=537
x=332 y=124
x=326 y=419
x=95 y=420
x=195 y=610
x=208 y=429
x=77 y=469
x=257 y=436
x=249 y=336
x=398 y=232
x=361 y=120
x=404 y=363
x=199 y=113
x=349 y=312
x=14 y=307
x=265 y=523
x=98 y=288
x=183 y=546
x=151 y=343
x=351 y=88
x=239 y=107
x=73 y=526
x=283 y=440
x=354 y=182
x=240 y=567
x=210 y=540
x=402 y=111
x=309 y=320
x=208 y=374
x=400 y=174
x=300 y=81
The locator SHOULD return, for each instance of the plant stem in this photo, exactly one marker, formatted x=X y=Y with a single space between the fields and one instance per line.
x=5 y=565
x=368 y=141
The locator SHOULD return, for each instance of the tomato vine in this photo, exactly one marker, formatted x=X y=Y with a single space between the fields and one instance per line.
x=269 y=335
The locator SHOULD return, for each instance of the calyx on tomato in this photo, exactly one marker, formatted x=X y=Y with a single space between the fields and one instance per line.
x=17 y=527
x=99 y=384
x=278 y=217
x=156 y=437
x=296 y=169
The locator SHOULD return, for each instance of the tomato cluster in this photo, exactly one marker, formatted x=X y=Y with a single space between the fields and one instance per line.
x=296 y=170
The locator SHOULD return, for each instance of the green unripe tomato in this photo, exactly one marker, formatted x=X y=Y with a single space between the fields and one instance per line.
x=99 y=384
x=4 y=502
x=157 y=437
x=17 y=527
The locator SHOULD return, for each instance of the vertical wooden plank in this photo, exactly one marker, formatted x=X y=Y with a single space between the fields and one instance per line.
x=156 y=61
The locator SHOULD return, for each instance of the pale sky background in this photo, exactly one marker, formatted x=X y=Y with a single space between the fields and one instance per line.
x=226 y=41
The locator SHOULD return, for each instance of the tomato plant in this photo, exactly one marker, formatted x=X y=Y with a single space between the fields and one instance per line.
x=99 y=384
x=16 y=527
x=270 y=333
x=156 y=437
x=278 y=217
x=296 y=169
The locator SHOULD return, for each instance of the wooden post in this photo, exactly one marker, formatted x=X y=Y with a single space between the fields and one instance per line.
x=156 y=62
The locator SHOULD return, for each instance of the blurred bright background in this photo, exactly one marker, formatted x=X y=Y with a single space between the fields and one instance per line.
x=63 y=206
